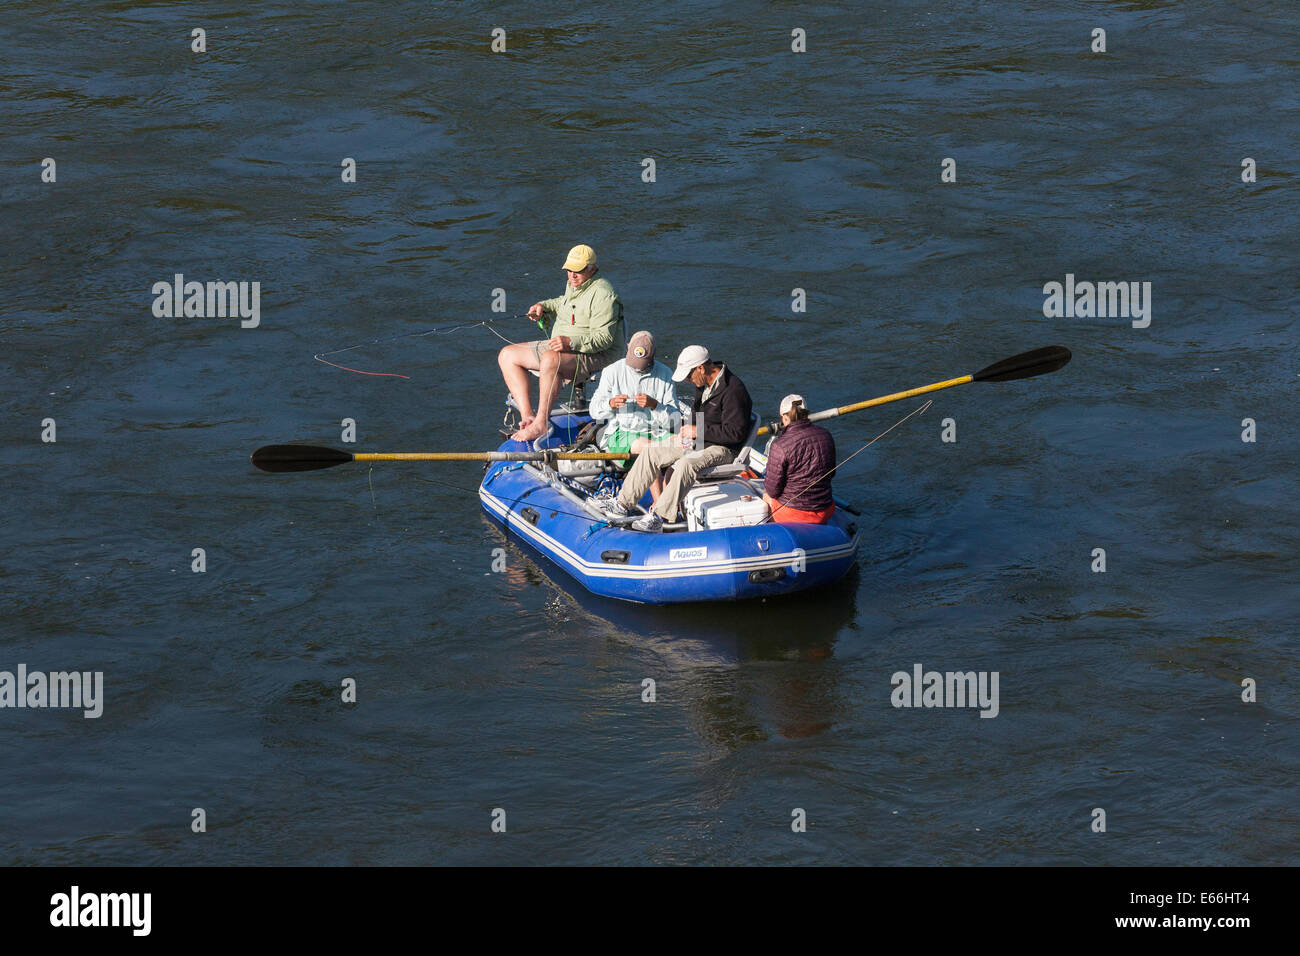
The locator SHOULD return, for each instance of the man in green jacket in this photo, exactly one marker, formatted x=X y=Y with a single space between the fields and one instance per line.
x=587 y=335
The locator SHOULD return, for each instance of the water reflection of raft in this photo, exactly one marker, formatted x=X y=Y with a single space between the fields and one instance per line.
x=545 y=511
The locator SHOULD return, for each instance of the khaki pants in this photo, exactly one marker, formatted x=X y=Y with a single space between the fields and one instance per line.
x=588 y=364
x=687 y=464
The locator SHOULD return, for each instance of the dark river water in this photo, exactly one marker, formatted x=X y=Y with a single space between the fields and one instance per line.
x=774 y=171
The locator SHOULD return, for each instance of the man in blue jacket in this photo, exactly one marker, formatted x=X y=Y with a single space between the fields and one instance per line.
x=722 y=410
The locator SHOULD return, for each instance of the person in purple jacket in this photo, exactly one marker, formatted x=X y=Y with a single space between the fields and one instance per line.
x=797 y=484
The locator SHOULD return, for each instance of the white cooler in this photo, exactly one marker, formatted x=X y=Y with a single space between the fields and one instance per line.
x=727 y=504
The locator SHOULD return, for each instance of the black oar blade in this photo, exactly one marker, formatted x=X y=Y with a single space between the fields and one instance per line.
x=298 y=457
x=1025 y=365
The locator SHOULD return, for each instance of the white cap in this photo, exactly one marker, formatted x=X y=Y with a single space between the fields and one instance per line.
x=790 y=401
x=691 y=358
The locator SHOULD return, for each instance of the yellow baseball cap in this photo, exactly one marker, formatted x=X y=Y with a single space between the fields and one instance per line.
x=580 y=257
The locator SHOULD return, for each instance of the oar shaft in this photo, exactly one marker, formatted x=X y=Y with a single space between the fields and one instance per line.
x=882 y=400
x=282 y=458
x=490 y=456
x=886 y=399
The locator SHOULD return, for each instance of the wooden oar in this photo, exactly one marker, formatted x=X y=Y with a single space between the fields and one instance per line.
x=313 y=457
x=1025 y=365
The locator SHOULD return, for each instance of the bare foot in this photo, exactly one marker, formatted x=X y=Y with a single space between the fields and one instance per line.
x=530 y=432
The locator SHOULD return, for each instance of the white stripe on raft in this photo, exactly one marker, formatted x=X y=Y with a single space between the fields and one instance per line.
x=601 y=569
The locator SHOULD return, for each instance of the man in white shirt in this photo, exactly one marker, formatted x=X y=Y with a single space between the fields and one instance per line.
x=636 y=398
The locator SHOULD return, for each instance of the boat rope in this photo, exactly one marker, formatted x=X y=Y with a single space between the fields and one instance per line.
x=438 y=330
x=784 y=504
x=512 y=501
x=501 y=471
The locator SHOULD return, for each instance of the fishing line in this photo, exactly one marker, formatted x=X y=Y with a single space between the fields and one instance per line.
x=438 y=330
x=916 y=411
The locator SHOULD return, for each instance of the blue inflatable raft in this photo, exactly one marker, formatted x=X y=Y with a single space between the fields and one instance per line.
x=547 y=511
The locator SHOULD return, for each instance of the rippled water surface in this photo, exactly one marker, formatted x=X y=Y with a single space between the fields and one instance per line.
x=774 y=171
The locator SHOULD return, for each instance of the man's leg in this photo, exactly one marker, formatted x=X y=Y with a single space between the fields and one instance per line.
x=553 y=367
x=646 y=469
x=515 y=361
x=656 y=486
x=684 y=474
x=635 y=447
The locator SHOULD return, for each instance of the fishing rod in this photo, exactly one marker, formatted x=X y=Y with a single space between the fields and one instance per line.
x=789 y=502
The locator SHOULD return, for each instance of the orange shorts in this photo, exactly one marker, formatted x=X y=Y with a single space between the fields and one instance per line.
x=789 y=515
